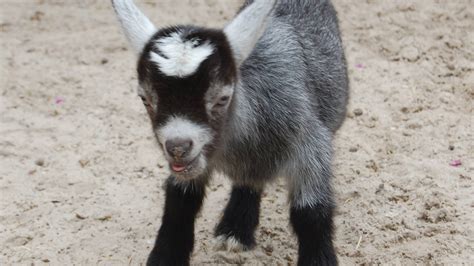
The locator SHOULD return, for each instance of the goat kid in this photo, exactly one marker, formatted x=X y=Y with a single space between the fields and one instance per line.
x=261 y=98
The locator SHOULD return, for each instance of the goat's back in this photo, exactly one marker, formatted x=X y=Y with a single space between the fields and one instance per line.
x=301 y=55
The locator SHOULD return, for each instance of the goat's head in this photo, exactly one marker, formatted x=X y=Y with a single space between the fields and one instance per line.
x=187 y=77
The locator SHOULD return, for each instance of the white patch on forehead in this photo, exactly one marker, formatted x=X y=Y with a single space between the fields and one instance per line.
x=180 y=127
x=180 y=58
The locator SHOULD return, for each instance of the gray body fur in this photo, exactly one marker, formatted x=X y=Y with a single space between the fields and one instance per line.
x=259 y=99
x=291 y=100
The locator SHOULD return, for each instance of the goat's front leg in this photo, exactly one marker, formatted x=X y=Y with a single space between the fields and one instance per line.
x=175 y=240
x=236 y=229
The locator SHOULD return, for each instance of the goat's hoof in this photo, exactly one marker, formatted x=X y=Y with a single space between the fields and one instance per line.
x=230 y=243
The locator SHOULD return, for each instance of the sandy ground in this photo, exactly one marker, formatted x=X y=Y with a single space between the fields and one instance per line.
x=81 y=177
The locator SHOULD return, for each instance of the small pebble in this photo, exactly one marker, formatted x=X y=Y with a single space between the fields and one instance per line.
x=37 y=16
x=268 y=249
x=83 y=162
x=59 y=100
x=104 y=218
x=372 y=165
x=353 y=149
x=80 y=217
x=414 y=126
x=380 y=188
x=39 y=162
x=455 y=163
x=451 y=147
x=454 y=43
x=410 y=53
x=404 y=110
x=358 y=112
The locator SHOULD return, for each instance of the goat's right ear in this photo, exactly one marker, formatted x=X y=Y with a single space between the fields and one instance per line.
x=137 y=27
x=247 y=28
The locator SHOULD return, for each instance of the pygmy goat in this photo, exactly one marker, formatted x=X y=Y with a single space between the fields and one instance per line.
x=259 y=99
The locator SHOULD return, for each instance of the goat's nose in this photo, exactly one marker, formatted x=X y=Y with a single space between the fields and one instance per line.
x=178 y=148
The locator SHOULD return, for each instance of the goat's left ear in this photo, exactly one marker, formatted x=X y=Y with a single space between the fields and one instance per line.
x=137 y=27
x=247 y=28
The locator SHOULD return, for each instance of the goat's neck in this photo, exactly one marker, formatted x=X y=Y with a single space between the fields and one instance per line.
x=241 y=116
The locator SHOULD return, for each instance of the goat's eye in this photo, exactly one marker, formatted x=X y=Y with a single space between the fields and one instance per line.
x=223 y=101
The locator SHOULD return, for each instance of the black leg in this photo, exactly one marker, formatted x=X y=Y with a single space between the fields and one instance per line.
x=175 y=240
x=314 y=228
x=240 y=217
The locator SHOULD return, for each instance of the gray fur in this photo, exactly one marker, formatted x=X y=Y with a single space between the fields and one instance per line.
x=291 y=99
x=264 y=99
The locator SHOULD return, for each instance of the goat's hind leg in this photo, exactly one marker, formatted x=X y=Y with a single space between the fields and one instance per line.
x=312 y=207
x=235 y=231
x=314 y=229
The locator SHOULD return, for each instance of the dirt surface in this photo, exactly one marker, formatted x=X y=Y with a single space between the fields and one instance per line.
x=81 y=177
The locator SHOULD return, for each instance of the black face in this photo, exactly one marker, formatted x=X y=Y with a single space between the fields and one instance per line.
x=187 y=110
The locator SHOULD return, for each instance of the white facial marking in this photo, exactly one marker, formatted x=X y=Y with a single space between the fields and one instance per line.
x=181 y=58
x=137 y=27
x=180 y=127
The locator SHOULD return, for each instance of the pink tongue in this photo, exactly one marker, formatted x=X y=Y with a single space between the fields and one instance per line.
x=178 y=167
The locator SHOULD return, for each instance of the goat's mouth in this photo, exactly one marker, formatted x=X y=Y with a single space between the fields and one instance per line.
x=183 y=167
